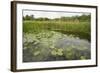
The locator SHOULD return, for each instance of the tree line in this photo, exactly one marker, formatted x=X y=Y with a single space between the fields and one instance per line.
x=63 y=18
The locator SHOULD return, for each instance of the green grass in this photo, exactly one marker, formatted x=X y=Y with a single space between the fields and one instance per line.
x=80 y=29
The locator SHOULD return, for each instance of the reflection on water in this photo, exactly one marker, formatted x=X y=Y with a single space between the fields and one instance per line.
x=54 y=46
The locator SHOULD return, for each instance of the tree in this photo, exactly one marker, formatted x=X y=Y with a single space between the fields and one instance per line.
x=85 y=17
x=27 y=17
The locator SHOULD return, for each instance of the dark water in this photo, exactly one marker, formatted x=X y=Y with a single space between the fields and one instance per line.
x=82 y=35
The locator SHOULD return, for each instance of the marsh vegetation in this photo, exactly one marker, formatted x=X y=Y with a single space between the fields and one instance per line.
x=64 y=38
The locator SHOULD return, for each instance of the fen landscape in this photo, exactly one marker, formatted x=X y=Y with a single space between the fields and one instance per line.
x=56 y=36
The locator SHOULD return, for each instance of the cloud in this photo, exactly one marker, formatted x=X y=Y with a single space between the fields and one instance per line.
x=51 y=14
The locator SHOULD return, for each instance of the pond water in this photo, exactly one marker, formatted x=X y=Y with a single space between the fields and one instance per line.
x=54 y=46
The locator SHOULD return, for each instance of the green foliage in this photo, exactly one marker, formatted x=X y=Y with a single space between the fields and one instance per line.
x=57 y=52
x=54 y=53
x=47 y=39
x=76 y=28
x=82 y=58
x=36 y=53
x=69 y=53
x=42 y=46
x=27 y=17
x=83 y=17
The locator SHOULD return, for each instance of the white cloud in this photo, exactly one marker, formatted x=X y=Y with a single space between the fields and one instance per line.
x=51 y=14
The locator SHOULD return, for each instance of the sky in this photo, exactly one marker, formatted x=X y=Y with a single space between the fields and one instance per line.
x=51 y=14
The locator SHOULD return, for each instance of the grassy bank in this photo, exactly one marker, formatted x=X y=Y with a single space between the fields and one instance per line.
x=80 y=29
